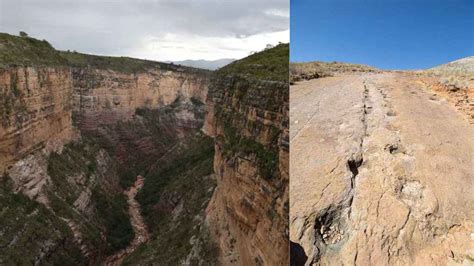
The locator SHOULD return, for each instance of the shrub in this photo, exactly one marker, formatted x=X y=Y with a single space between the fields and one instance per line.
x=113 y=213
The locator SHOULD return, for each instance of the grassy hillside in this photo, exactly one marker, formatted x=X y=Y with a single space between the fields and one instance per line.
x=270 y=64
x=122 y=64
x=463 y=66
x=16 y=50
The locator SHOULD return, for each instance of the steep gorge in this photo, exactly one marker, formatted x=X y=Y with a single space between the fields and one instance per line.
x=78 y=129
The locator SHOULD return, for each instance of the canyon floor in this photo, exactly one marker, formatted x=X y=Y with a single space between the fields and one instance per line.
x=381 y=171
x=137 y=221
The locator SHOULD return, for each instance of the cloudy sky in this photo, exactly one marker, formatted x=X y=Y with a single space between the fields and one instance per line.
x=153 y=29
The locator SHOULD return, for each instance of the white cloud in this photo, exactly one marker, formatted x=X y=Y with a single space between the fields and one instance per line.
x=175 y=47
x=278 y=12
x=153 y=29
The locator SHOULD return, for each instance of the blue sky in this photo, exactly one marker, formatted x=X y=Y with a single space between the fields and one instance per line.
x=389 y=34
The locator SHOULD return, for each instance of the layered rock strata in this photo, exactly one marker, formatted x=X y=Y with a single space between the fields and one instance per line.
x=248 y=117
x=35 y=111
x=105 y=97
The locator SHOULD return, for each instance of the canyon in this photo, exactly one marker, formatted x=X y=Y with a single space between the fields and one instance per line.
x=381 y=167
x=78 y=130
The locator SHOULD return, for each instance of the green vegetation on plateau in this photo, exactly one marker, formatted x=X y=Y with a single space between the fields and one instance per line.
x=28 y=51
x=270 y=64
x=122 y=64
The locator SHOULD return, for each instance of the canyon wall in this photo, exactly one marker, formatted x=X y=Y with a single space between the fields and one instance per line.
x=104 y=96
x=248 y=118
x=35 y=110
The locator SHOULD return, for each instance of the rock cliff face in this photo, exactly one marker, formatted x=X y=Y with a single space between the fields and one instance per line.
x=35 y=110
x=104 y=96
x=248 y=117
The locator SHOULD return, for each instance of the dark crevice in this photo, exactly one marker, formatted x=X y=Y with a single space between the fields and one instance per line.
x=392 y=149
x=367 y=110
x=330 y=226
x=357 y=159
x=297 y=254
x=354 y=166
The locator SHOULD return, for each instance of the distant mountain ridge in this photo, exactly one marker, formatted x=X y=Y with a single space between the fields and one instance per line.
x=205 y=64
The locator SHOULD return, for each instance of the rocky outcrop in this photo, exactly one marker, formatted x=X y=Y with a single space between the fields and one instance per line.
x=454 y=82
x=35 y=111
x=248 y=117
x=387 y=182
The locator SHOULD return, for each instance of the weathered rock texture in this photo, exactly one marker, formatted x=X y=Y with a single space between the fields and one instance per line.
x=35 y=111
x=248 y=118
x=104 y=97
x=381 y=168
x=454 y=81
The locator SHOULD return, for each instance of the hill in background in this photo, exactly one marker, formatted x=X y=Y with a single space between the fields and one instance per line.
x=205 y=64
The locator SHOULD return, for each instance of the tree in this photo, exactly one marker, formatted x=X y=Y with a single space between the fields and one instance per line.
x=23 y=34
x=269 y=46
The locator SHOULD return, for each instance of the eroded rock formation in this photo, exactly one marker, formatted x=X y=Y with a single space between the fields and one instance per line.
x=35 y=111
x=104 y=97
x=248 y=117
x=380 y=170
